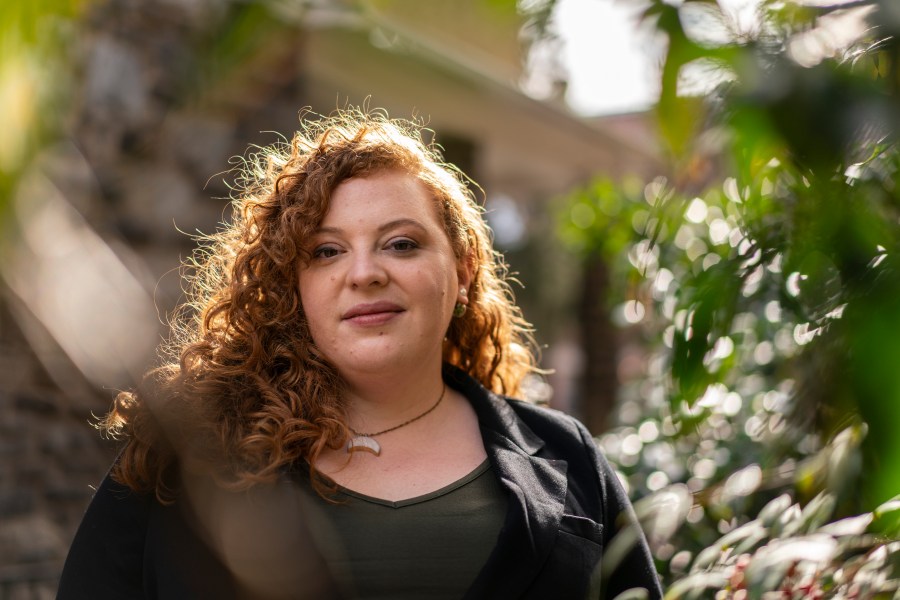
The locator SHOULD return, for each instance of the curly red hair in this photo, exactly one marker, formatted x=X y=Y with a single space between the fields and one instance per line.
x=246 y=386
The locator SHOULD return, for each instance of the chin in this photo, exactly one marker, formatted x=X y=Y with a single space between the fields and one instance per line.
x=379 y=360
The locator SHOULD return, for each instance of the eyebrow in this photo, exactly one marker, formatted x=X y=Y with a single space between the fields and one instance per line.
x=381 y=228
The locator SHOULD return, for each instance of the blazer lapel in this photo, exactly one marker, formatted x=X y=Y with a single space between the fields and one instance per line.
x=536 y=489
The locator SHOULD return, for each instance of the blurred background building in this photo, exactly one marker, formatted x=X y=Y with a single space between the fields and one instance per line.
x=149 y=101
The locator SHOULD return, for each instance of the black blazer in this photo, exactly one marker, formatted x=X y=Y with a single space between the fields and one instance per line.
x=565 y=507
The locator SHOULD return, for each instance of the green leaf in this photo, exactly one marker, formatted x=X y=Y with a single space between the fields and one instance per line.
x=816 y=513
x=770 y=564
x=886 y=519
x=633 y=594
x=774 y=509
x=697 y=585
x=850 y=526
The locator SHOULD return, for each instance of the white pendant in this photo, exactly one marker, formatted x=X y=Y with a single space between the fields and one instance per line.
x=365 y=444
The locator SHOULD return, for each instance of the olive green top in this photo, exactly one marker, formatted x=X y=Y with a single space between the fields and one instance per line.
x=431 y=546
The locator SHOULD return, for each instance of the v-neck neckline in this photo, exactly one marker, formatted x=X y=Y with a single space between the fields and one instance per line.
x=465 y=479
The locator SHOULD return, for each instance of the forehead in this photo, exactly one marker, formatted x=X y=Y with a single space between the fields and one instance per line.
x=382 y=194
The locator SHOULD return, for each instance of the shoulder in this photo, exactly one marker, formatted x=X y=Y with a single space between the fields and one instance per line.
x=558 y=430
x=557 y=436
x=545 y=418
x=106 y=556
x=129 y=545
x=561 y=437
x=535 y=429
x=117 y=507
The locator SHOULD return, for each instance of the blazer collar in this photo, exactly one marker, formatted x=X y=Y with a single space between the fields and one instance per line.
x=536 y=490
x=494 y=412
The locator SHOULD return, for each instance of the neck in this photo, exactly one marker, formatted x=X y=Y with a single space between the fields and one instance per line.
x=377 y=402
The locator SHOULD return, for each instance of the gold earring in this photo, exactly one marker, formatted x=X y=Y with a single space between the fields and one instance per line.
x=460 y=308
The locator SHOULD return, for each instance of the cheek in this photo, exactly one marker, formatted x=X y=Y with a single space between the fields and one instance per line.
x=312 y=306
x=442 y=288
x=323 y=337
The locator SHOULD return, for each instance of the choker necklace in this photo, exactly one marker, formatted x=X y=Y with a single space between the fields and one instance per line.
x=365 y=441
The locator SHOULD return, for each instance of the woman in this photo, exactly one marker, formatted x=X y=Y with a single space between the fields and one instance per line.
x=334 y=424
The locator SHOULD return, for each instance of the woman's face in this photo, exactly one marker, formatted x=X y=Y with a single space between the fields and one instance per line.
x=382 y=280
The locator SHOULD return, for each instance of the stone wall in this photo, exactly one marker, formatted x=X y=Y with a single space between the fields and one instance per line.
x=151 y=123
x=49 y=456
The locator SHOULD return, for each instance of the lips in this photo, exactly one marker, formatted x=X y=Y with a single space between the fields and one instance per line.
x=372 y=313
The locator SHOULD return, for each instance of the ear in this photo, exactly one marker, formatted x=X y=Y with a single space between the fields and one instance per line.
x=465 y=273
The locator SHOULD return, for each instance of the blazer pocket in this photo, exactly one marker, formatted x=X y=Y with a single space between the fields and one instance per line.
x=582 y=527
x=571 y=567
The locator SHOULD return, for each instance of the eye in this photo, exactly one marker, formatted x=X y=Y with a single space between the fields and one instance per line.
x=325 y=252
x=402 y=245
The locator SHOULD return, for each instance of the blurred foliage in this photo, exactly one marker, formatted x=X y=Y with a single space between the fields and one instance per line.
x=759 y=292
x=796 y=553
x=34 y=38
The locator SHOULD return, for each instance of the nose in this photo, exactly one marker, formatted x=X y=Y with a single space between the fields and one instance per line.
x=366 y=270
